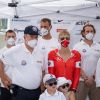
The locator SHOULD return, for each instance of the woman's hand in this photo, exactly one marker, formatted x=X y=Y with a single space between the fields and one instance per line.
x=72 y=95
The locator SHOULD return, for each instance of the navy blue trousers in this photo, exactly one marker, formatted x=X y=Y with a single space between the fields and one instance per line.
x=5 y=94
x=24 y=94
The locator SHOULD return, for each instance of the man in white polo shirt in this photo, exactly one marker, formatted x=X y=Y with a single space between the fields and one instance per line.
x=97 y=77
x=90 y=53
x=46 y=43
x=10 y=38
x=26 y=63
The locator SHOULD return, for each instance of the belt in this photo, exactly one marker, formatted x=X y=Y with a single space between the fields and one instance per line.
x=19 y=87
x=15 y=88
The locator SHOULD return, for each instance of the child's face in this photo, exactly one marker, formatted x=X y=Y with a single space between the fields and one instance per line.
x=51 y=86
x=64 y=88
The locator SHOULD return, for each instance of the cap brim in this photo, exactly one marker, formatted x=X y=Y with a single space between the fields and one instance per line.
x=32 y=33
x=51 y=80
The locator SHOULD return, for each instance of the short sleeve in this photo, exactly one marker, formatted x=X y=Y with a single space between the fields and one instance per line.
x=7 y=59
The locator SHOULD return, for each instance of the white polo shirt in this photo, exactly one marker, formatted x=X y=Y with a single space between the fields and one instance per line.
x=2 y=51
x=89 y=56
x=48 y=45
x=45 y=46
x=57 y=96
x=97 y=77
x=26 y=68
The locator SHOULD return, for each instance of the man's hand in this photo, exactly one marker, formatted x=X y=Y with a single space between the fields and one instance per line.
x=42 y=87
x=6 y=81
x=89 y=81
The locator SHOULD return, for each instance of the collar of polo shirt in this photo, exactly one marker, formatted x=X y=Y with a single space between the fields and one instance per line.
x=47 y=94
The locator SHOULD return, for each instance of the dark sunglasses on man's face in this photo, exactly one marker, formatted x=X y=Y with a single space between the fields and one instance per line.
x=53 y=83
x=64 y=86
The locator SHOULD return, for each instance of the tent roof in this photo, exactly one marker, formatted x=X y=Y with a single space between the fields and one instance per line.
x=47 y=2
x=27 y=8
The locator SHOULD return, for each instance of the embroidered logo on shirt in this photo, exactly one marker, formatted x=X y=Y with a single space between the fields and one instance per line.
x=43 y=47
x=58 y=59
x=50 y=63
x=23 y=62
x=97 y=50
x=78 y=64
x=84 y=50
x=39 y=61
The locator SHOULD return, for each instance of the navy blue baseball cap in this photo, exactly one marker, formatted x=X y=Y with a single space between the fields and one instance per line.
x=32 y=30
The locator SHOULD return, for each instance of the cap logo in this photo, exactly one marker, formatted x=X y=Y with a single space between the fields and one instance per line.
x=51 y=76
x=34 y=29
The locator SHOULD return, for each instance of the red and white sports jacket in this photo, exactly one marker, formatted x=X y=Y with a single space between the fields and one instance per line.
x=69 y=69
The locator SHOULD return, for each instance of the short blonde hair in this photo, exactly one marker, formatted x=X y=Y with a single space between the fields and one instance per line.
x=64 y=32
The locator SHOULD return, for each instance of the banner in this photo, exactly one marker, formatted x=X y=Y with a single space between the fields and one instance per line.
x=74 y=26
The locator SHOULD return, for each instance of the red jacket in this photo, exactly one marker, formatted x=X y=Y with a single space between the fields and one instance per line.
x=69 y=69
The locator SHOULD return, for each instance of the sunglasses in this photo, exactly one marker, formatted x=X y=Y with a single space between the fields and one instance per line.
x=62 y=38
x=64 y=86
x=51 y=84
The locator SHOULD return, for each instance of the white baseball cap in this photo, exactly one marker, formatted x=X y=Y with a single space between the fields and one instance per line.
x=49 y=78
x=63 y=80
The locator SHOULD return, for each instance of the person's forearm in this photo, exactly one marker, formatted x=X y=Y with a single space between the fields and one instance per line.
x=72 y=96
x=1 y=69
x=4 y=77
x=83 y=75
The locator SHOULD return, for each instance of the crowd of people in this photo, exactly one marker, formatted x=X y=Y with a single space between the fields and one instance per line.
x=46 y=68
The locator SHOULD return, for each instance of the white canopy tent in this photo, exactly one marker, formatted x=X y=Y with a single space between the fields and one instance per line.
x=64 y=14
x=27 y=8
